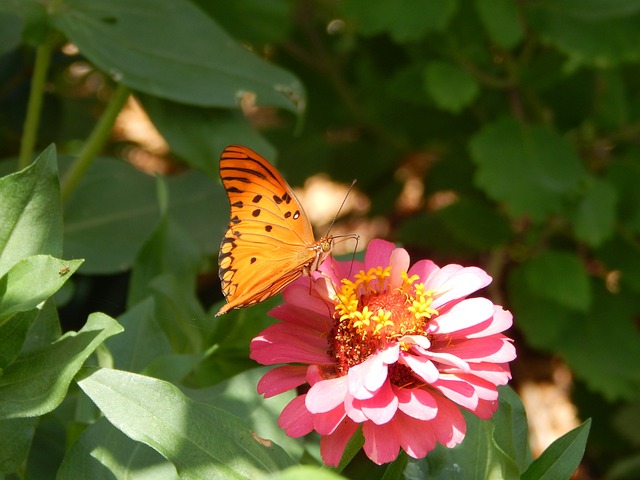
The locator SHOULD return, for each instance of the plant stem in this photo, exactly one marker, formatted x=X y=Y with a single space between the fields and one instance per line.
x=95 y=142
x=34 y=106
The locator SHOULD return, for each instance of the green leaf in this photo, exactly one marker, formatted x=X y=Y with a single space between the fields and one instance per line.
x=37 y=381
x=111 y=199
x=624 y=175
x=239 y=397
x=531 y=169
x=232 y=333
x=16 y=435
x=45 y=329
x=142 y=340
x=586 y=32
x=502 y=21
x=613 y=102
x=595 y=216
x=200 y=440
x=197 y=64
x=561 y=459
x=169 y=250
x=195 y=203
x=475 y=224
x=489 y=451
x=561 y=277
x=180 y=314
x=307 y=472
x=544 y=322
x=452 y=88
x=102 y=452
x=404 y=20
x=18 y=291
x=606 y=357
x=13 y=334
x=31 y=213
x=199 y=135
x=253 y=21
x=622 y=256
x=10 y=29
x=511 y=434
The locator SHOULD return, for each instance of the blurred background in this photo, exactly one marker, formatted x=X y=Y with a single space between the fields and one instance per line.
x=497 y=133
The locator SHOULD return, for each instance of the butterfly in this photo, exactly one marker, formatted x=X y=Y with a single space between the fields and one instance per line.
x=269 y=241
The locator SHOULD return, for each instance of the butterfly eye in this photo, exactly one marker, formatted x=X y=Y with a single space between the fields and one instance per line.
x=326 y=245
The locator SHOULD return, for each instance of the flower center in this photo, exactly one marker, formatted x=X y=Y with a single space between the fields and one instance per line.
x=371 y=314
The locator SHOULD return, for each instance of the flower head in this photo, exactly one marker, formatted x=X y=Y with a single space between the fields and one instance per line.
x=392 y=348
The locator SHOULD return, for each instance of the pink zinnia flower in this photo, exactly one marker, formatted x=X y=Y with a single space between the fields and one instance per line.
x=396 y=350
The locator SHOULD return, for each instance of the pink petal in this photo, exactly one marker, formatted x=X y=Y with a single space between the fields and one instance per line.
x=301 y=316
x=416 y=402
x=465 y=314
x=285 y=343
x=501 y=320
x=449 y=425
x=381 y=442
x=332 y=446
x=418 y=340
x=423 y=268
x=336 y=271
x=378 y=254
x=326 y=423
x=353 y=407
x=496 y=373
x=281 y=379
x=367 y=377
x=497 y=349
x=299 y=295
x=417 y=437
x=457 y=390
x=421 y=366
x=295 y=419
x=456 y=282
x=399 y=263
x=382 y=407
x=326 y=395
x=448 y=359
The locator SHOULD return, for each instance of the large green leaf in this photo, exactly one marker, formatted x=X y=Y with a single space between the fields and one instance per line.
x=239 y=397
x=531 y=169
x=404 y=20
x=593 y=32
x=561 y=277
x=18 y=291
x=110 y=214
x=15 y=439
x=475 y=224
x=198 y=135
x=169 y=250
x=31 y=212
x=491 y=449
x=544 y=322
x=13 y=334
x=142 y=340
x=10 y=28
x=602 y=349
x=200 y=440
x=102 y=452
x=172 y=49
x=452 y=88
x=561 y=459
x=37 y=381
x=502 y=21
x=595 y=216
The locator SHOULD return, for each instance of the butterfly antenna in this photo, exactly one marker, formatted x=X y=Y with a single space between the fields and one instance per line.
x=344 y=200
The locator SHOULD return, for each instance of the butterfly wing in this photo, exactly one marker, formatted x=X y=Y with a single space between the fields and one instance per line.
x=269 y=241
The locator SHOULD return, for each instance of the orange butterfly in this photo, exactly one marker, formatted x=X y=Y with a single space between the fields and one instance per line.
x=269 y=241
